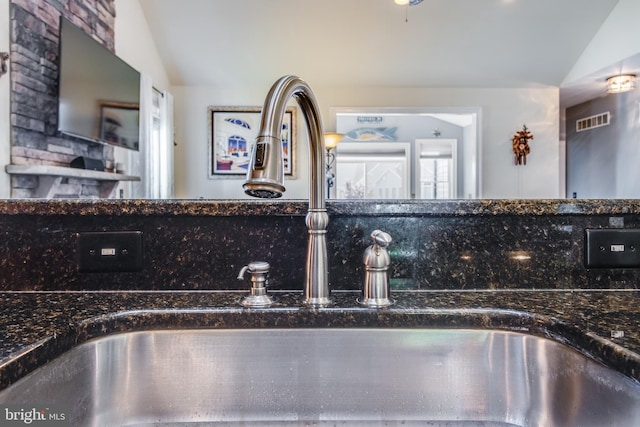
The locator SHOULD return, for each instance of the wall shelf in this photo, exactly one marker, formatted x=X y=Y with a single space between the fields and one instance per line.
x=51 y=176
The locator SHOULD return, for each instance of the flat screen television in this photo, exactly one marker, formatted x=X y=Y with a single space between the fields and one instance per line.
x=99 y=93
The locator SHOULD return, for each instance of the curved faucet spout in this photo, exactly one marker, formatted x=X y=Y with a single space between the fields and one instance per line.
x=265 y=176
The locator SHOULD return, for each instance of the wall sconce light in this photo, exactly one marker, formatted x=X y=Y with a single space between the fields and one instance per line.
x=331 y=141
x=621 y=83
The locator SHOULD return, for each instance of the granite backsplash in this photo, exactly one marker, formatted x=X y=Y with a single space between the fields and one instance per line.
x=201 y=245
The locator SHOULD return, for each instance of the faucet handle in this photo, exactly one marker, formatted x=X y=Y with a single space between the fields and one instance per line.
x=376 y=255
x=381 y=238
x=376 y=260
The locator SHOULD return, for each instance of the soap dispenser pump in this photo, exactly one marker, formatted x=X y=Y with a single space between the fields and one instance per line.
x=259 y=271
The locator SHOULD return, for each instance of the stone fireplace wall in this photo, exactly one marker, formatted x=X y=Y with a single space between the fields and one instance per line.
x=34 y=90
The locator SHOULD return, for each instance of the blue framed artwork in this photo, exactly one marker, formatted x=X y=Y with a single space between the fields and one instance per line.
x=232 y=134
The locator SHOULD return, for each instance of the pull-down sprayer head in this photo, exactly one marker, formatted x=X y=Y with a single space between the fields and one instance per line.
x=265 y=176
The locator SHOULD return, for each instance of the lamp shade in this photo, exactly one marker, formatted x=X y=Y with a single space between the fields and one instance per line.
x=331 y=139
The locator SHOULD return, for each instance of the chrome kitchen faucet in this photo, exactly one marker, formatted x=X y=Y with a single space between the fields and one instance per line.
x=265 y=176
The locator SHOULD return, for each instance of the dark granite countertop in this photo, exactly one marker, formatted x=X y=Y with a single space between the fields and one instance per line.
x=35 y=327
x=481 y=207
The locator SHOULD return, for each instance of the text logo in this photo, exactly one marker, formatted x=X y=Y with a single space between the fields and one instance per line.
x=41 y=416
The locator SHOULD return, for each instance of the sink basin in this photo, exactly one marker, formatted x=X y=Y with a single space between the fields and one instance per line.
x=332 y=377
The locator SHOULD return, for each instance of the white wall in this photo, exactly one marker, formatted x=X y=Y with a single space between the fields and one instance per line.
x=504 y=111
x=135 y=45
x=618 y=38
x=5 y=128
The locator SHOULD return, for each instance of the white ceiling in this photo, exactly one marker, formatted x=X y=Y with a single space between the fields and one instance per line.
x=444 y=43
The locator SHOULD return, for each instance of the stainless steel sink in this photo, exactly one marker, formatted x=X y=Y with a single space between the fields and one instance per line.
x=332 y=377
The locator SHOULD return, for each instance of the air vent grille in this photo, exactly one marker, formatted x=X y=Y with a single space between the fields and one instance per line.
x=592 y=122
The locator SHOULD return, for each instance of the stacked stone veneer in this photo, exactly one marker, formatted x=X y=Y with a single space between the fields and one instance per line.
x=35 y=30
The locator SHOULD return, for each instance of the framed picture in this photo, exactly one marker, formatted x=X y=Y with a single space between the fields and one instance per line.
x=120 y=124
x=232 y=134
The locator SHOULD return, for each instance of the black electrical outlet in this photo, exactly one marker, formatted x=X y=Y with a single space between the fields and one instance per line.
x=612 y=248
x=109 y=251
